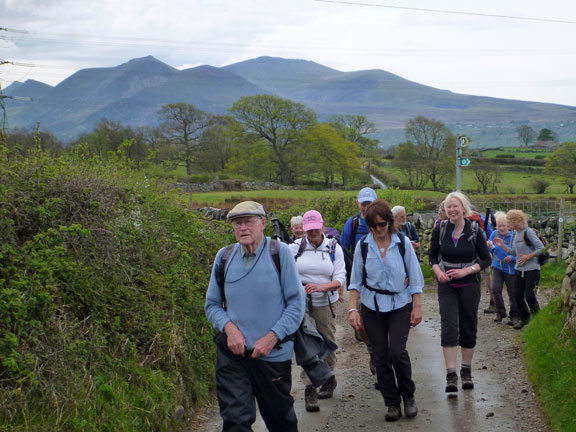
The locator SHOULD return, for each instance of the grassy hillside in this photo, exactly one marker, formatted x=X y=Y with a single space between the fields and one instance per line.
x=102 y=285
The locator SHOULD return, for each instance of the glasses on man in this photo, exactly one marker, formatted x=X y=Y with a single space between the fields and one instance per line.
x=237 y=223
x=379 y=225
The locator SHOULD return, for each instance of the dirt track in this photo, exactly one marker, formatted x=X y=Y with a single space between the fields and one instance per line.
x=501 y=401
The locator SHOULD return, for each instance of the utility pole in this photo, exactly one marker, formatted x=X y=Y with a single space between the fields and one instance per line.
x=4 y=119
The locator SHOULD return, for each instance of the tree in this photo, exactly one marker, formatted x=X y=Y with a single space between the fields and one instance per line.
x=487 y=175
x=435 y=147
x=546 y=134
x=184 y=124
x=355 y=127
x=215 y=146
x=328 y=154
x=562 y=163
x=525 y=134
x=280 y=123
x=407 y=160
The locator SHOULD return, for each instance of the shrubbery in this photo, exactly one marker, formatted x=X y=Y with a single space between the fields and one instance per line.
x=102 y=282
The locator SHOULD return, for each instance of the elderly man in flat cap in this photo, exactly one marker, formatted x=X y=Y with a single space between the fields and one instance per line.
x=256 y=301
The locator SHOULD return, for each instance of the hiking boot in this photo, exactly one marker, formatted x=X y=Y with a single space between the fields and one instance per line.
x=311 y=399
x=466 y=376
x=451 y=382
x=327 y=389
x=393 y=414
x=410 y=408
x=490 y=309
x=499 y=317
x=519 y=324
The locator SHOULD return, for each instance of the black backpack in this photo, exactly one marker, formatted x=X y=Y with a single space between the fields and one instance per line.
x=544 y=257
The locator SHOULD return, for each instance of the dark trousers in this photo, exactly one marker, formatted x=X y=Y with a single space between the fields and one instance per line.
x=241 y=380
x=388 y=333
x=459 y=314
x=499 y=278
x=525 y=284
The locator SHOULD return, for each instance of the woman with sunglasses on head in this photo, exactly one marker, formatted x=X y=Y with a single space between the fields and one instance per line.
x=458 y=252
x=388 y=281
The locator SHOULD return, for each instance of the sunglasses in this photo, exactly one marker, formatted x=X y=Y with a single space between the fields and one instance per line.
x=379 y=225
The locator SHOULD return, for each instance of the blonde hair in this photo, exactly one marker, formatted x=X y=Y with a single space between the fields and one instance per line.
x=500 y=217
x=516 y=218
x=463 y=200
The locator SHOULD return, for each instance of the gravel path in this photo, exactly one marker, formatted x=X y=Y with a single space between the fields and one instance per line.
x=501 y=401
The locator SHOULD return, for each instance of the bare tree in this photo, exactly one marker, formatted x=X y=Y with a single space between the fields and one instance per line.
x=487 y=175
x=525 y=134
x=184 y=124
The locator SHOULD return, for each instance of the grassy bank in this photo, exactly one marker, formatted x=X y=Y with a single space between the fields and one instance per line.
x=551 y=359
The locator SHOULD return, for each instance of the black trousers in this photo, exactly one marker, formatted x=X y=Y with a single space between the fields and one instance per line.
x=459 y=314
x=500 y=277
x=240 y=381
x=388 y=333
x=525 y=284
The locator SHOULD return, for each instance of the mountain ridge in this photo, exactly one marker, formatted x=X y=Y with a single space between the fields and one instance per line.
x=133 y=92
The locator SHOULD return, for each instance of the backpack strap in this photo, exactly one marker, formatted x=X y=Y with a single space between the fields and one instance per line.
x=225 y=257
x=355 y=224
x=301 y=248
x=402 y=249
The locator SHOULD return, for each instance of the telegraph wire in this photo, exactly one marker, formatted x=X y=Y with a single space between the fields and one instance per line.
x=484 y=15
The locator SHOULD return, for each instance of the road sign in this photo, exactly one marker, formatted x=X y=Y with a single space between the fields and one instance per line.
x=459 y=151
x=463 y=141
x=464 y=162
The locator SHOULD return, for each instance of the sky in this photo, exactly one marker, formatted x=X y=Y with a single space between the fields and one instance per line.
x=514 y=49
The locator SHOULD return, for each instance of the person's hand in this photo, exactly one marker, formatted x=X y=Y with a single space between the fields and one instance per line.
x=490 y=244
x=523 y=258
x=236 y=340
x=355 y=320
x=264 y=345
x=441 y=276
x=415 y=245
x=498 y=241
x=416 y=316
x=458 y=273
x=508 y=259
x=312 y=288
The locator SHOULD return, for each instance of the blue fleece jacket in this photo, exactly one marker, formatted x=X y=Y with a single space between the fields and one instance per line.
x=257 y=299
x=499 y=253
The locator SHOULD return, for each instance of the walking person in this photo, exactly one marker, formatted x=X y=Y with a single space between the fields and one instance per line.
x=526 y=246
x=388 y=281
x=355 y=227
x=296 y=227
x=503 y=267
x=458 y=252
x=404 y=226
x=320 y=263
x=255 y=307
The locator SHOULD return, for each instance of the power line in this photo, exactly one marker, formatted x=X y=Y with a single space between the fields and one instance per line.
x=484 y=15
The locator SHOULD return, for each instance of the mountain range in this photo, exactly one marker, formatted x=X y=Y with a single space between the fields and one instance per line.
x=133 y=92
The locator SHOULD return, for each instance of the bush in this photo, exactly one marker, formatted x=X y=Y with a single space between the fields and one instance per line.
x=539 y=185
x=100 y=272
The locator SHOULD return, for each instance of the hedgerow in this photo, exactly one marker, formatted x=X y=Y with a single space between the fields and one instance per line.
x=102 y=282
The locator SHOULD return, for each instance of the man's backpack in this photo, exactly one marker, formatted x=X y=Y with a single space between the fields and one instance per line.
x=544 y=257
x=477 y=217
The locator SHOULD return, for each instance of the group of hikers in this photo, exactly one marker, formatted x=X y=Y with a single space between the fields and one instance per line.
x=261 y=289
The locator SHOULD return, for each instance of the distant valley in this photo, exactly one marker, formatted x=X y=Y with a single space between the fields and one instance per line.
x=132 y=93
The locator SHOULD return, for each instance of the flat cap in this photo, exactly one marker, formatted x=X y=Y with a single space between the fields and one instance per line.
x=246 y=208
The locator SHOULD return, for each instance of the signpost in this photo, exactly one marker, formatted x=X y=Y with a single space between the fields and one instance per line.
x=460 y=161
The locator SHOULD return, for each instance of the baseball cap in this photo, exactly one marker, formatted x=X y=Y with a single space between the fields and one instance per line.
x=312 y=220
x=246 y=208
x=367 y=194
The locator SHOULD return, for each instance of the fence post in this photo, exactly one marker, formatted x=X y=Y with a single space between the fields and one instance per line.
x=560 y=230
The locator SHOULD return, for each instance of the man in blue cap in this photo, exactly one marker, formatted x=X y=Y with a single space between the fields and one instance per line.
x=355 y=227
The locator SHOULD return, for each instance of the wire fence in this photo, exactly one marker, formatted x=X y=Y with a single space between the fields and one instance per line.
x=537 y=208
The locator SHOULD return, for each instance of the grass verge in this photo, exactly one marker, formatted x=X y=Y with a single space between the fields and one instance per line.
x=551 y=360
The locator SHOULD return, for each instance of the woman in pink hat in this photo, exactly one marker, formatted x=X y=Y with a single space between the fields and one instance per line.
x=320 y=262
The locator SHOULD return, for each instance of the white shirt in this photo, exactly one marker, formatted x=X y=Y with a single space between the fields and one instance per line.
x=316 y=266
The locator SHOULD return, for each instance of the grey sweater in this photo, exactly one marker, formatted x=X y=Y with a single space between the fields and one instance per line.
x=519 y=247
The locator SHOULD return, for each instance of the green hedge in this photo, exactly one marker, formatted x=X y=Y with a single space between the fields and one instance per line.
x=102 y=282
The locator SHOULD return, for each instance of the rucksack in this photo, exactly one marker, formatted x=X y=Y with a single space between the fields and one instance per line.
x=477 y=217
x=225 y=256
x=364 y=250
x=544 y=257
x=348 y=257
